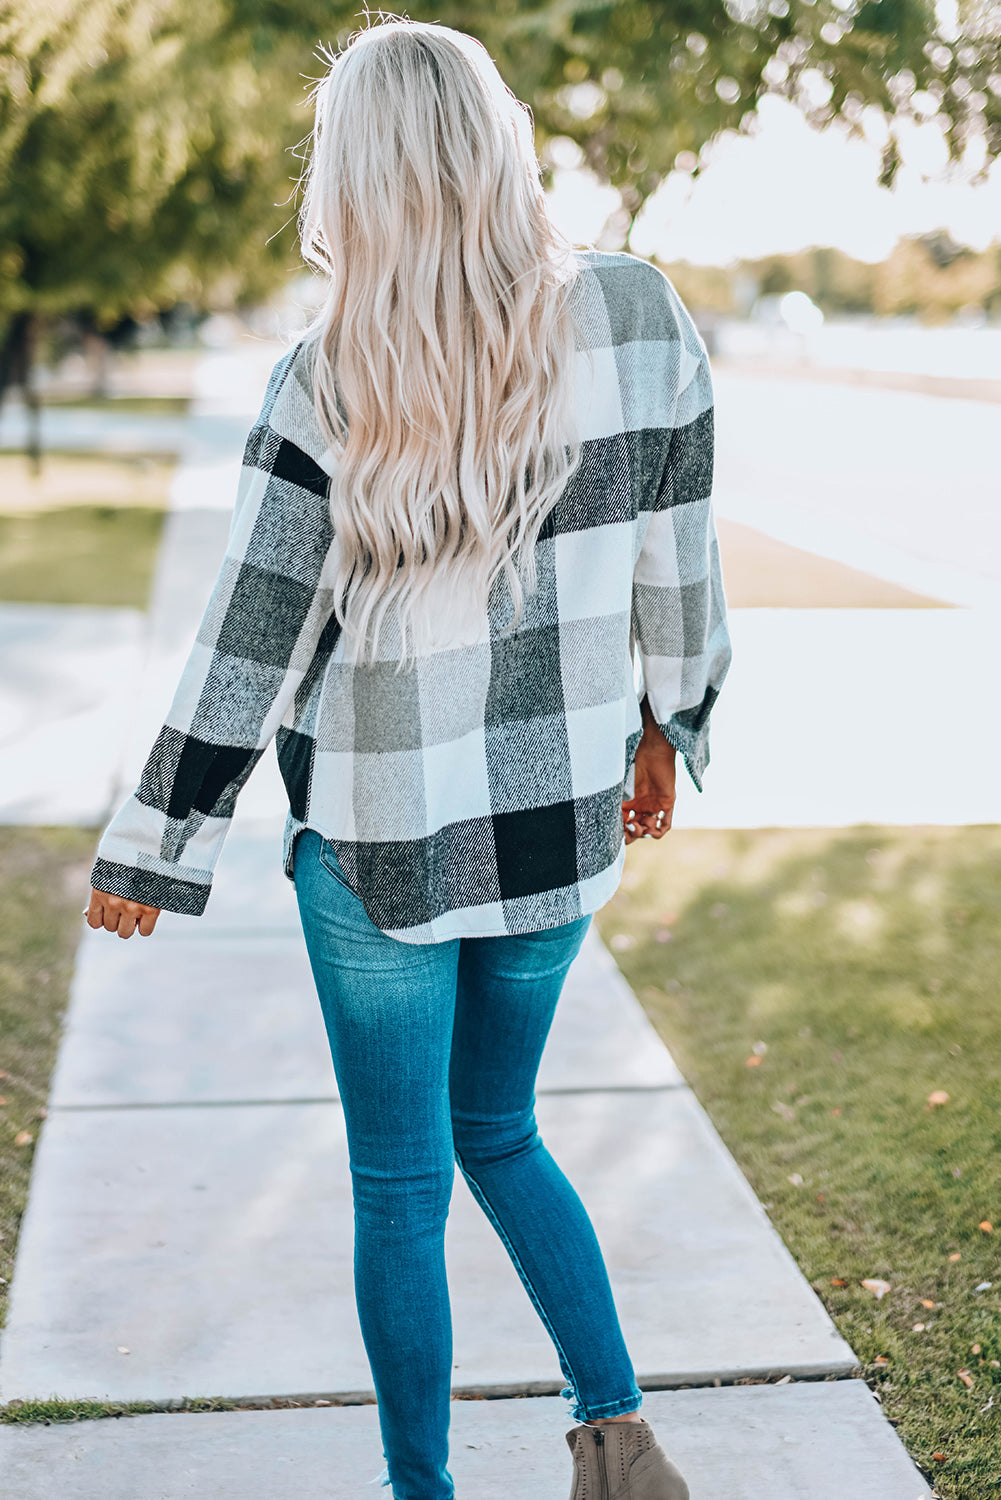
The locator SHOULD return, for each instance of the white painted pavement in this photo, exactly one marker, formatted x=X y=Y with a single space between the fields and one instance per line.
x=71 y=429
x=900 y=484
x=833 y=717
x=68 y=677
x=912 y=472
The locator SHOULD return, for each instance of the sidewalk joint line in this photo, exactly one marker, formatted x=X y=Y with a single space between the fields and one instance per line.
x=119 y=1105
x=528 y=1391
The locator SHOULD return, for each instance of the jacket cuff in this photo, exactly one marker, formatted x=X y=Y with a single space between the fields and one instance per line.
x=692 y=745
x=167 y=892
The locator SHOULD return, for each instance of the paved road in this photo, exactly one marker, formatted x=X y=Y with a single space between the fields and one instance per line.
x=912 y=474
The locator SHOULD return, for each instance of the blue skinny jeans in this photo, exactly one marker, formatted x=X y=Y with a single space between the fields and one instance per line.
x=435 y=1049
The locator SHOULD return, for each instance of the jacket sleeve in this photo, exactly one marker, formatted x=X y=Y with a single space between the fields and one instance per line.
x=679 y=609
x=258 y=636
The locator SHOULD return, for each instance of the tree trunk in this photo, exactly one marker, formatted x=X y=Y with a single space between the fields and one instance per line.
x=17 y=362
x=96 y=347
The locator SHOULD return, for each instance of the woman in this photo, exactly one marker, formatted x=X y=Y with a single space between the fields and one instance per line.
x=478 y=487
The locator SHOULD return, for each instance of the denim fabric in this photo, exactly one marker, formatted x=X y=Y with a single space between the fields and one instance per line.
x=435 y=1049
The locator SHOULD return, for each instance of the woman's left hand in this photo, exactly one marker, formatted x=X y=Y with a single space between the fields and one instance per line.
x=115 y=914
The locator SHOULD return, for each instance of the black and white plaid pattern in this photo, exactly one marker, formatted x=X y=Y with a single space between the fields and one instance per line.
x=481 y=792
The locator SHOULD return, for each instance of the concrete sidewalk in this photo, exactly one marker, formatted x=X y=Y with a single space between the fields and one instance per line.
x=814 y=1442
x=189 y=1229
x=189 y=1233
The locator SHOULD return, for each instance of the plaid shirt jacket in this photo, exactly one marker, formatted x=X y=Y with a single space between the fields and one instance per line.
x=479 y=793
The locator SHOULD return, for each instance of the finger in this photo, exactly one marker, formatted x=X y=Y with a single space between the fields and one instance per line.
x=111 y=916
x=126 y=925
x=147 y=922
x=94 y=914
x=651 y=824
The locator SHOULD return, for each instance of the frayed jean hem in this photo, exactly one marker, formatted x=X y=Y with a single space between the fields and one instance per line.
x=581 y=1413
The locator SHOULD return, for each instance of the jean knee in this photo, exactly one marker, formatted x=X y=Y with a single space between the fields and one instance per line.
x=483 y=1142
x=410 y=1205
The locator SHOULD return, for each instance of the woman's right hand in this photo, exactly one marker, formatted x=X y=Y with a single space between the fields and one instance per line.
x=649 y=811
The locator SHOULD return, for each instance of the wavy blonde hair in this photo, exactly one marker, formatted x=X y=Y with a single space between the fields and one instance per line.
x=443 y=357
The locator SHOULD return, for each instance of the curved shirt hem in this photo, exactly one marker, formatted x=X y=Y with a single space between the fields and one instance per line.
x=589 y=896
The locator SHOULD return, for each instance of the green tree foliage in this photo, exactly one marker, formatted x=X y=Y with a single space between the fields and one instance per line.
x=141 y=146
x=636 y=85
x=145 y=144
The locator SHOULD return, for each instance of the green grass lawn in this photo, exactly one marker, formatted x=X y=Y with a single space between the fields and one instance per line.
x=817 y=988
x=43 y=888
x=85 y=530
x=147 y=406
x=80 y=554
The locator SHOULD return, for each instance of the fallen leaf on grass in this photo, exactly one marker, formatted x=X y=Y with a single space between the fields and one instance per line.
x=983 y=1286
x=955 y=1255
x=966 y=1378
x=917 y=1328
x=836 y=1111
x=23 y=1138
x=926 y=1302
x=939 y=1457
x=938 y=1096
x=974 y=1348
x=986 y=1226
x=838 y=1281
x=873 y=1284
x=753 y=1062
x=881 y=1359
x=795 y=1179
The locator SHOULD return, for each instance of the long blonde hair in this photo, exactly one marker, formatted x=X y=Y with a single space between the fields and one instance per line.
x=443 y=357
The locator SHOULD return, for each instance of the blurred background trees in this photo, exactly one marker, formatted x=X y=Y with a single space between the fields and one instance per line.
x=147 y=147
x=926 y=276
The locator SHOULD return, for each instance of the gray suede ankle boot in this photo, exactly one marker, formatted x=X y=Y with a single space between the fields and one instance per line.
x=622 y=1461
